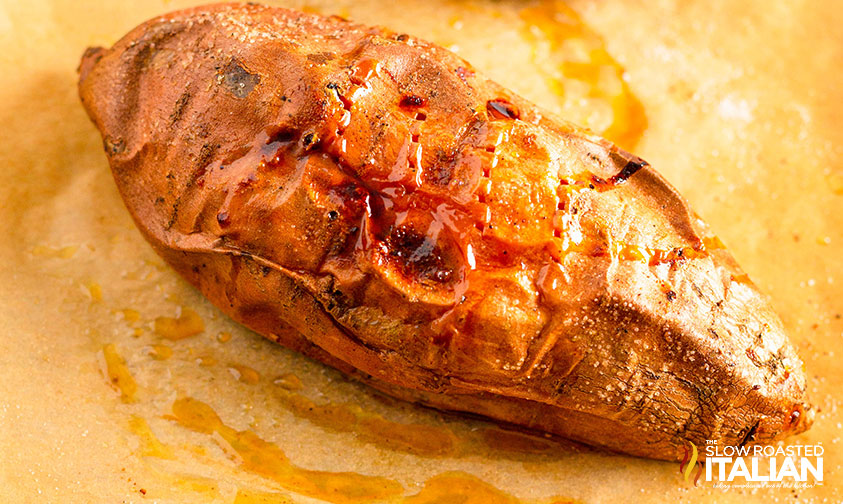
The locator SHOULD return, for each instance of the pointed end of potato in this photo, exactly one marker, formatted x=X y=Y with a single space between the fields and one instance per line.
x=794 y=416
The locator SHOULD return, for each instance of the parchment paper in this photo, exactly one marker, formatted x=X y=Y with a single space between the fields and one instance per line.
x=744 y=108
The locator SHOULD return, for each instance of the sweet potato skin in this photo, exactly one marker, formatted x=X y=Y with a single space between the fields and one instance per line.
x=370 y=200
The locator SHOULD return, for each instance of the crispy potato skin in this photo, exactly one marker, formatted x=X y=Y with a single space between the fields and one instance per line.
x=368 y=199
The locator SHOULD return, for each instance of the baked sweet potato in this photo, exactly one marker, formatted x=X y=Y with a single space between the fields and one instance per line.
x=369 y=199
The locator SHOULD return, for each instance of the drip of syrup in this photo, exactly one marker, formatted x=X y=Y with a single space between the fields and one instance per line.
x=577 y=56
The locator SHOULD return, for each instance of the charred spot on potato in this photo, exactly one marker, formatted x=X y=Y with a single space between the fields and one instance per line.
x=310 y=141
x=349 y=193
x=237 y=80
x=206 y=152
x=417 y=255
x=411 y=101
x=502 y=109
x=113 y=146
x=348 y=201
x=280 y=135
x=174 y=215
x=179 y=107
x=629 y=169
x=631 y=164
x=337 y=301
x=749 y=436
x=402 y=37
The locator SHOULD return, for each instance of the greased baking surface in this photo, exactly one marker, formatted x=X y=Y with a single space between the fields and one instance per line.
x=108 y=358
